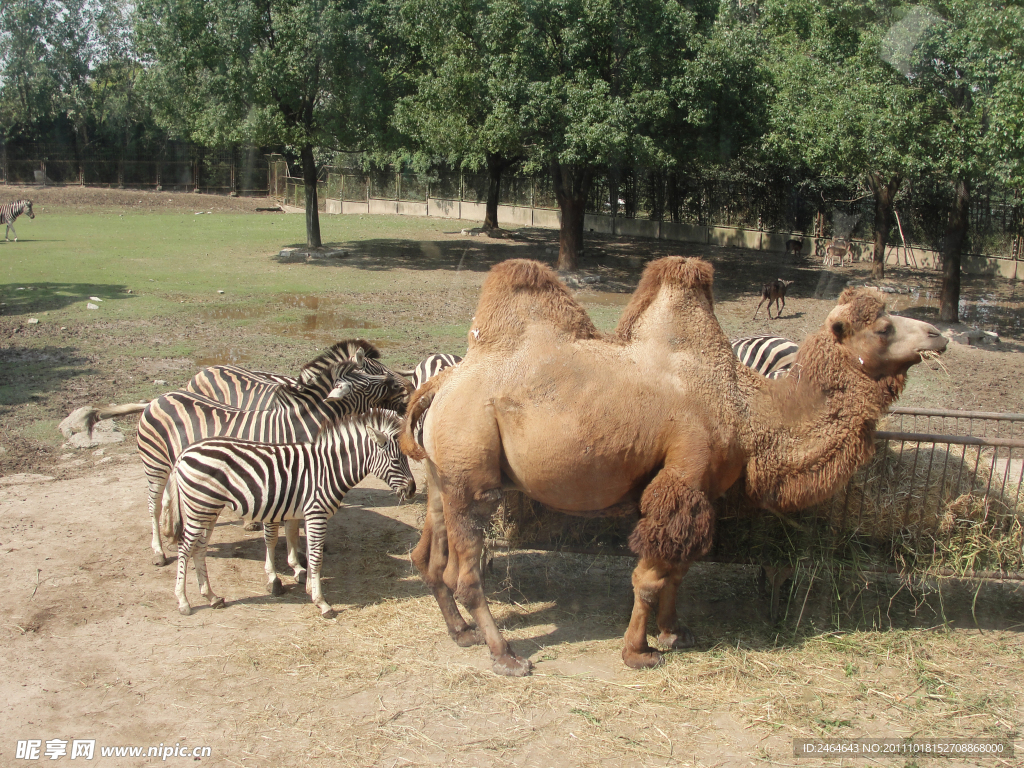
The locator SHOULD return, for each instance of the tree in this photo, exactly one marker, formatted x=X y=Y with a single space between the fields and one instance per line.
x=293 y=72
x=466 y=95
x=841 y=107
x=970 y=60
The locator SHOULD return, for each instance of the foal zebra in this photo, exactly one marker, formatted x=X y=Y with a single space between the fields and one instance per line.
x=259 y=390
x=277 y=483
x=771 y=356
x=175 y=420
x=10 y=211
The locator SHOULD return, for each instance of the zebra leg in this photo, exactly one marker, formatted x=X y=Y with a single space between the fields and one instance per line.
x=156 y=500
x=270 y=538
x=199 y=558
x=316 y=531
x=10 y=228
x=185 y=546
x=291 y=535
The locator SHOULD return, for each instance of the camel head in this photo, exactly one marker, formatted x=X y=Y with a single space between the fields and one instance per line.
x=883 y=345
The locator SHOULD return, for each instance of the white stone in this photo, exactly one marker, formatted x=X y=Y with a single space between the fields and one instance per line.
x=160 y=382
x=91 y=306
x=33 y=321
x=96 y=298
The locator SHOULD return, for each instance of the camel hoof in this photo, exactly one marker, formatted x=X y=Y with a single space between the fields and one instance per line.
x=511 y=665
x=681 y=638
x=159 y=560
x=218 y=603
x=185 y=610
x=641 y=660
x=468 y=637
x=252 y=525
x=274 y=587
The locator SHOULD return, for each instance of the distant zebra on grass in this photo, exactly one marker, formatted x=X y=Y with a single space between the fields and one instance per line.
x=260 y=390
x=771 y=356
x=10 y=211
x=277 y=483
x=175 y=420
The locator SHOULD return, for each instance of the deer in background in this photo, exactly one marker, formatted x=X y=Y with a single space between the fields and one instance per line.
x=795 y=246
x=774 y=292
x=836 y=250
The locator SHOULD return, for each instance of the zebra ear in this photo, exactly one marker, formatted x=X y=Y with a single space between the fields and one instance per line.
x=357 y=358
x=378 y=437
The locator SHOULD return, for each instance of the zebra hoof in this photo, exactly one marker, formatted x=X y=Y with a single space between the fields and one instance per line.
x=274 y=587
x=217 y=603
x=326 y=611
x=252 y=525
x=185 y=610
x=159 y=560
x=300 y=576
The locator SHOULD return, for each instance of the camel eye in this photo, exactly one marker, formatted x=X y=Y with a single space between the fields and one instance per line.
x=885 y=330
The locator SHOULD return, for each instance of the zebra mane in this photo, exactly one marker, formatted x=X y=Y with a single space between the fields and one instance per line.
x=338 y=353
x=381 y=419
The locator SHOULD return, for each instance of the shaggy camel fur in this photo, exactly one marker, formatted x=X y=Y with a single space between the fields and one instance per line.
x=660 y=415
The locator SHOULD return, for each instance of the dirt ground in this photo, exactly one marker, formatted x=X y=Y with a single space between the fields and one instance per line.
x=95 y=648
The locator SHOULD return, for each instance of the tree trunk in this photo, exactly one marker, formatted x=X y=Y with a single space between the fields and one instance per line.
x=312 y=210
x=885 y=193
x=495 y=165
x=572 y=186
x=956 y=233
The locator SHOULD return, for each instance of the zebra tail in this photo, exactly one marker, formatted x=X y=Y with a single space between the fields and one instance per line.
x=85 y=418
x=170 y=514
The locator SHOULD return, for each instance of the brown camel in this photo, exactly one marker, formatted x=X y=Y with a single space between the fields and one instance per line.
x=660 y=415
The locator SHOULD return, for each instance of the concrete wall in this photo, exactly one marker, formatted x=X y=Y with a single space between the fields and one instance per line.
x=735 y=237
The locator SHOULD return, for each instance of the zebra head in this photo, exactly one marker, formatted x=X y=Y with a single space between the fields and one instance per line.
x=365 y=386
x=28 y=209
x=384 y=458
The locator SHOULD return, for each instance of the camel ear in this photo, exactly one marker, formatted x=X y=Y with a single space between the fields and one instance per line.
x=839 y=329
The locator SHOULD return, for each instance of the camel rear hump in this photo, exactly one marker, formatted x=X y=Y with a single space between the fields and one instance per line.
x=521 y=291
x=678 y=271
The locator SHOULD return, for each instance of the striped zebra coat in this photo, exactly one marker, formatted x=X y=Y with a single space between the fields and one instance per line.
x=277 y=483
x=771 y=356
x=260 y=390
x=10 y=211
x=175 y=420
x=431 y=366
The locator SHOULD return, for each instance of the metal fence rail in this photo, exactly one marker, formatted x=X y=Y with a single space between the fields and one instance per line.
x=950 y=504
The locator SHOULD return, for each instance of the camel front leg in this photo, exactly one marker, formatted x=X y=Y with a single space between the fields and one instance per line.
x=431 y=558
x=316 y=531
x=675 y=528
x=466 y=540
x=672 y=634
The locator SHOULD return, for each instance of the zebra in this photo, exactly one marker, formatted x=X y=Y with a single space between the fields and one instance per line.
x=771 y=356
x=431 y=366
x=10 y=211
x=260 y=390
x=277 y=483
x=175 y=420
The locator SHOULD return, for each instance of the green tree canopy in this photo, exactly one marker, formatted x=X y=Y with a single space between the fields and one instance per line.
x=293 y=72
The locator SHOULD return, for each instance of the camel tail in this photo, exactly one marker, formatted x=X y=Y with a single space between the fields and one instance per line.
x=86 y=417
x=418 y=406
x=170 y=514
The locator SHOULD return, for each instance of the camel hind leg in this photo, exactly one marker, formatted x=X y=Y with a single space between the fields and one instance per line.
x=465 y=518
x=440 y=570
x=675 y=529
